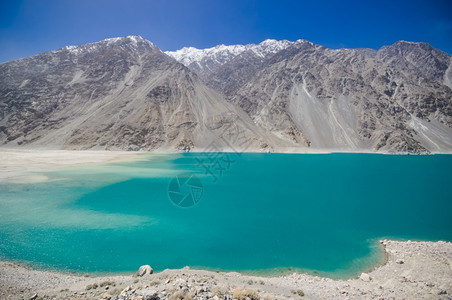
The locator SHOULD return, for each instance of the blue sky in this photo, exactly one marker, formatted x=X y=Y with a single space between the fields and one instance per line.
x=33 y=26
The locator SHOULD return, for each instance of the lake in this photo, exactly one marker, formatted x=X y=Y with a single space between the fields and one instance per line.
x=255 y=213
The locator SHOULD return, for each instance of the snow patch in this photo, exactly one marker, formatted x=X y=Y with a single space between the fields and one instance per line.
x=222 y=54
x=132 y=42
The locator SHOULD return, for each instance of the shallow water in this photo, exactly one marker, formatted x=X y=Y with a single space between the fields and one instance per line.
x=265 y=213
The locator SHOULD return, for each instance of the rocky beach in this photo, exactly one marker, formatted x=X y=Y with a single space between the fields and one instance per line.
x=413 y=270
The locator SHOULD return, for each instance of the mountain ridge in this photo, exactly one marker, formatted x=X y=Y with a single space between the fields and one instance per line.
x=127 y=94
x=392 y=126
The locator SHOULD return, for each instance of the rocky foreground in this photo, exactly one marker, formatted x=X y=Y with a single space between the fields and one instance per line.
x=413 y=270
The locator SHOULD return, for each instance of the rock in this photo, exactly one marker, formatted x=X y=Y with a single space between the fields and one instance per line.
x=106 y=296
x=399 y=261
x=199 y=289
x=125 y=290
x=429 y=284
x=149 y=294
x=365 y=277
x=442 y=292
x=145 y=269
x=34 y=296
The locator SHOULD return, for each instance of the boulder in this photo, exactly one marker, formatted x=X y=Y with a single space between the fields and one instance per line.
x=365 y=277
x=149 y=294
x=145 y=269
x=399 y=261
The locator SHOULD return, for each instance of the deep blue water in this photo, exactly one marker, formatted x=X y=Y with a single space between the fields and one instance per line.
x=266 y=213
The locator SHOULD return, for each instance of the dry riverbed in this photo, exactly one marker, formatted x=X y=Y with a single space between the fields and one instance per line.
x=413 y=270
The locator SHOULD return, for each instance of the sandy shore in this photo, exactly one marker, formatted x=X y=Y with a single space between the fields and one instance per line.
x=22 y=165
x=413 y=270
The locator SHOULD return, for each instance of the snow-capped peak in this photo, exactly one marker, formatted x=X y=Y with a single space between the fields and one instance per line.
x=135 y=39
x=131 y=41
x=222 y=54
x=270 y=46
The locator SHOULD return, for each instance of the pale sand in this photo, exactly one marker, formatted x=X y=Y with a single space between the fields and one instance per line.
x=17 y=165
x=426 y=271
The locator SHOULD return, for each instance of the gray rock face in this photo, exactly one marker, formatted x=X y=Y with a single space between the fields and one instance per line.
x=222 y=66
x=125 y=94
x=396 y=99
x=118 y=94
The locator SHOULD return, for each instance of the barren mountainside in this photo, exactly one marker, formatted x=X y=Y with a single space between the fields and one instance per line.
x=125 y=93
x=115 y=94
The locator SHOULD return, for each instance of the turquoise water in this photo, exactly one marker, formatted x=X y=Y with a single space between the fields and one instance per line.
x=265 y=213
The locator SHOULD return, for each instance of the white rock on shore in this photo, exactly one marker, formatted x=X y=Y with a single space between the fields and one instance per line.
x=365 y=277
x=145 y=269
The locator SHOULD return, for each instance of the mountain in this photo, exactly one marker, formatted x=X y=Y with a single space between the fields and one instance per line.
x=121 y=93
x=125 y=93
x=212 y=58
x=396 y=99
x=224 y=67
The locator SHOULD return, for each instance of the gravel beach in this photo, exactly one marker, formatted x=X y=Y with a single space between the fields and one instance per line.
x=413 y=270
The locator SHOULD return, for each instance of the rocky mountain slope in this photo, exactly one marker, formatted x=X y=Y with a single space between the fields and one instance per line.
x=121 y=93
x=398 y=98
x=124 y=93
x=207 y=61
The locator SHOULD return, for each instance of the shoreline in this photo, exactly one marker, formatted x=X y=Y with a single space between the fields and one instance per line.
x=202 y=150
x=424 y=272
x=27 y=165
x=411 y=269
x=265 y=273
x=22 y=165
